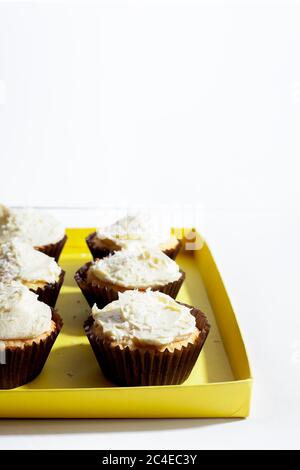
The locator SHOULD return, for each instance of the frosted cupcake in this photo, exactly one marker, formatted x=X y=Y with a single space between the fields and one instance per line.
x=136 y=268
x=28 y=330
x=38 y=229
x=128 y=231
x=37 y=271
x=146 y=338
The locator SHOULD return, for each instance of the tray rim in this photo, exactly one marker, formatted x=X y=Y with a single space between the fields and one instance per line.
x=142 y=387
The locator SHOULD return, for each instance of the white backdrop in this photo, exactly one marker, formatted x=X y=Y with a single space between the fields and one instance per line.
x=150 y=101
x=158 y=103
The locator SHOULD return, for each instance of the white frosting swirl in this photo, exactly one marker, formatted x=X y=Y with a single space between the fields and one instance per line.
x=149 y=318
x=21 y=261
x=34 y=227
x=139 y=267
x=131 y=229
x=22 y=316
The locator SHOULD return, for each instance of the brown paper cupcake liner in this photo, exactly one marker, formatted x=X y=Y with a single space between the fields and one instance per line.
x=173 y=252
x=53 y=249
x=49 y=293
x=23 y=364
x=103 y=293
x=96 y=251
x=101 y=252
x=138 y=367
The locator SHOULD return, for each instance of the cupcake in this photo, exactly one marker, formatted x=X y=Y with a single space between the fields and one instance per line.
x=28 y=330
x=38 y=229
x=146 y=338
x=128 y=231
x=135 y=268
x=37 y=271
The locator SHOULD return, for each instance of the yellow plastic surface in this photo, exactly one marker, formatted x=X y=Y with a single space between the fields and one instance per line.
x=72 y=385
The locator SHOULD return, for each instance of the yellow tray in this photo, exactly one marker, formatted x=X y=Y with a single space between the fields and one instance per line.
x=72 y=386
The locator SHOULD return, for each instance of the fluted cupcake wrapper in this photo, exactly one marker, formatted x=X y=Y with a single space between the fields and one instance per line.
x=173 y=252
x=24 y=363
x=103 y=293
x=53 y=249
x=100 y=252
x=138 y=367
x=49 y=293
x=96 y=251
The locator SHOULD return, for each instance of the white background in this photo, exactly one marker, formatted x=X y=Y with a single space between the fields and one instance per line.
x=169 y=103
